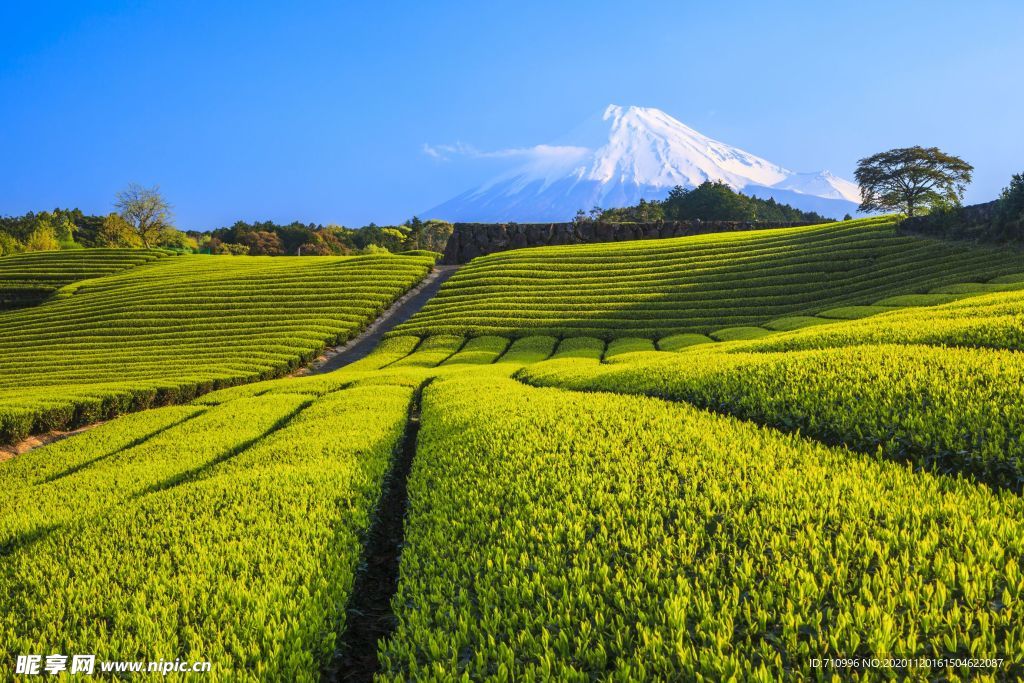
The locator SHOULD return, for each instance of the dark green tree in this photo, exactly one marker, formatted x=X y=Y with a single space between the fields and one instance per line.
x=710 y=201
x=911 y=179
x=1011 y=200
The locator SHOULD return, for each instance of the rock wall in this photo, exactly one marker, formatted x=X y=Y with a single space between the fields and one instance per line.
x=470 y=240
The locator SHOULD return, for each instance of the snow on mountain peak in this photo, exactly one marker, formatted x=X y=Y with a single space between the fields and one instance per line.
x=823 y=184
x=628 y=153
x=646 y=146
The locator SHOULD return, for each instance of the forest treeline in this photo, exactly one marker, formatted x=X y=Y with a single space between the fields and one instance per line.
x=73 y=229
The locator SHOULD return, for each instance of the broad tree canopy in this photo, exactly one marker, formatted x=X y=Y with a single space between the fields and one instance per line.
x=908 y=179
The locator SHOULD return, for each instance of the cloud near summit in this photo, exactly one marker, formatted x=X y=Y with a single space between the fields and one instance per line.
x=535 y=153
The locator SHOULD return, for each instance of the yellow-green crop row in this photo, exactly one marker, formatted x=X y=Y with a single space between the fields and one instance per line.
x=989 y=320
x=557 y=535
x=954 y=411
x=27 y=279
x=700 y=284
x=232 y=535
x=174 y=328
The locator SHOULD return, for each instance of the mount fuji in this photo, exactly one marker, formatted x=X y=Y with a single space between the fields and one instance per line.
x=631 y=153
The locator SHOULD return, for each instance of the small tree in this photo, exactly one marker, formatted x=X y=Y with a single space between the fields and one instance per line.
x=63 y=228
x=649 y=212
x=911 y=178
x=115 y=232
x=263 y=243
x=42 y=239
x=9 y=245
x=1011 y=200
x=146 y=211
x=171 y=238
x=431 y=234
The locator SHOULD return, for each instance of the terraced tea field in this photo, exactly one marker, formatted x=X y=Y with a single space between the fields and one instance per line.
x=725 y=285
x=178 y=326
x=27 y=279
x=647 y=501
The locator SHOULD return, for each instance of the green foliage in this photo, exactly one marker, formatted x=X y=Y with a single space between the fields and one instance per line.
x=580 y=347
x=227 y=249
x=176 y=327
x=115 y=232
x=559 y=536
x=431 y=352
x=28 y=278
x=710 y=201
x=853 y=312
x=146 y=211
x=479 y=351
x=422 y=252
x=622 y=345
x=43 y=238
x=795 y=322
x=741 y=332
x=643 y=212
x=9 y=245
x=918 y=299
x=1011 y=200
x=994 y=321
x=429 y=235
x=948 y=410
x=912 y=179
x=241 y=525
x=529 y=349
x=272 y=239
x=699 y=284
x=1010 y=213
x=678 y=342
x=587 y=530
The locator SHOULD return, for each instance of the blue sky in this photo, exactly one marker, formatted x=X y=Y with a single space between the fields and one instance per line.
x=320 y=112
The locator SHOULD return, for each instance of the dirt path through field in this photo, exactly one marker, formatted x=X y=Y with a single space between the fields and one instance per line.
x=398 y=313
x=401 y=310
x=369 y=617
x=33 y=442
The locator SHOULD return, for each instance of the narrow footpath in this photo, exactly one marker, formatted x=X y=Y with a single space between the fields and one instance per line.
x=400 y=311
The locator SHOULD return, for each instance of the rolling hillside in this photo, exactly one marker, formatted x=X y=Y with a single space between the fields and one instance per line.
x=702 y=284
x=27 y=279
x=841 y=480
x=163 y=332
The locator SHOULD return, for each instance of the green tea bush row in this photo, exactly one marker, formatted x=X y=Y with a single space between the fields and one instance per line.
x=657 y=288
x=991 y=320
x=479 y=351
x=246 y=562
x=555 y=535
x=174 y=328
x=212 y=435
x=529 y=350
x=954 y=411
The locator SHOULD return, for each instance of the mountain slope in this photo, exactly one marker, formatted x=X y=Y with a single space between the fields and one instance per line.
x=634 y=153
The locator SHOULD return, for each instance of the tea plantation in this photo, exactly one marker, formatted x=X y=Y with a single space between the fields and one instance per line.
x=27 y=279
x=722 y=457
x=722 y=284
x=175 y=327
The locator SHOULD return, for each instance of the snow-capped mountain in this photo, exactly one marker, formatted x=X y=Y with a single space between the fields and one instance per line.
x=633 y=153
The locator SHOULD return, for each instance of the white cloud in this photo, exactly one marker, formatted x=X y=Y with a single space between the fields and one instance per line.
x=535 y=153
